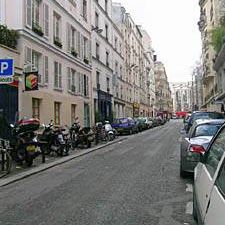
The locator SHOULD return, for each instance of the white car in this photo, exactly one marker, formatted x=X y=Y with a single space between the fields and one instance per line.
x=209 y=183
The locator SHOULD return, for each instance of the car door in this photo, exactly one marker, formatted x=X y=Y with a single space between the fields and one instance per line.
x=206 y=172
x=215 y=214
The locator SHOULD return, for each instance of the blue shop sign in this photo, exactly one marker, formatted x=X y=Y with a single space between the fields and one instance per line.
x=6 y=67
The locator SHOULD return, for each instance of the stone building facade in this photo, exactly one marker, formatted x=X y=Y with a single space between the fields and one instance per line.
x=54 y=41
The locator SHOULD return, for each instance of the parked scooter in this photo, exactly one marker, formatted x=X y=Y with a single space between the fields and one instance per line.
x=55 y=140
x=24 y=142
x=81 y=136
x=110 y=132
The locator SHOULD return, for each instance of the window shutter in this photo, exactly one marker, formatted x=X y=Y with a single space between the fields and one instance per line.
x=68 y=79
x=68 y=32
x=87 y=85
x=29 y=13
x=60 y=75
x=56 y=74
x=28 y=59
x=89 y=50
x=78 y=43
x=46 y=20
x=46 y=69
x=82 y=46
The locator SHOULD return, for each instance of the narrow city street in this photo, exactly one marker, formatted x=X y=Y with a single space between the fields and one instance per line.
x=133 y=182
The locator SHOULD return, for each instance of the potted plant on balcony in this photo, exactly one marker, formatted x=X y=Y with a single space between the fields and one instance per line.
x=86 y=60
x=37 y=28
x=57 y=42
x=73 y=52
x=8 y=37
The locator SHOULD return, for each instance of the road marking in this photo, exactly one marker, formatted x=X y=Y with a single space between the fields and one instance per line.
x=189 y=188
x=189 y=208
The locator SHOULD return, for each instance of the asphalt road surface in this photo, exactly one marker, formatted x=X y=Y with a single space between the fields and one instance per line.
x=133 y=182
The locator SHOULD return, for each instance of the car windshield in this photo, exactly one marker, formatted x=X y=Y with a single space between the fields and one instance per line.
x=122 y=120
x=208 y=115
x=206 y=130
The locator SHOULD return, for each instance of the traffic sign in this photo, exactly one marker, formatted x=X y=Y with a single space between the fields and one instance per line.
x=6 y=71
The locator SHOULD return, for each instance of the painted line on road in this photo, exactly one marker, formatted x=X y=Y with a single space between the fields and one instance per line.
x=189 y=208
x=189 y=188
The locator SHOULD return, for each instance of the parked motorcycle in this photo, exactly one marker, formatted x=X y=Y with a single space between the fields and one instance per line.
x=24 y=142
x=81 y=136
x=55 y=140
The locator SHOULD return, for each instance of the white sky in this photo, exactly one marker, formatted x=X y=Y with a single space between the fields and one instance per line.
x=172 y=24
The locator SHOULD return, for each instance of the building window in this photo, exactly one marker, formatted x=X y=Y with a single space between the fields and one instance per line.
x=106 y=6
x=121 y=72
x=116 y=41
x=84 y=9
x=36 y=108
x=71 y=40
x=36 y=64
x=71 y=80
x=96 y=20
x=107 y=58
x=57 y=113
x=106 y=32
x=57 y=75
x=57 y=28
x=86 y=86
x=98 y=79
x=97 y=51
x=73 y=113
x=107 y=84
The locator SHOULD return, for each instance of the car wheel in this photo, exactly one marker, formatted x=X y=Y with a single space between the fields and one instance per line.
x=183 y=174
x=195 y=215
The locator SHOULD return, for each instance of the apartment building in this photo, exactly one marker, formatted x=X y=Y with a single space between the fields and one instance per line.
x=54 y=42
x=182 y=96
x=108 y=63
x=164 y=102
x=211 y=12
x=137 y=64
x=148 y=81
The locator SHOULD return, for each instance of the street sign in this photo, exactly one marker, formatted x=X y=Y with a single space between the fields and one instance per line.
x=6 y=71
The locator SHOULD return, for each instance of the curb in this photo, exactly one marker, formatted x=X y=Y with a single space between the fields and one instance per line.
x=43 y=167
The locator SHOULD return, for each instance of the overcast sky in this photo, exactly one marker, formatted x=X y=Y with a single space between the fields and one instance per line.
x=172 y=24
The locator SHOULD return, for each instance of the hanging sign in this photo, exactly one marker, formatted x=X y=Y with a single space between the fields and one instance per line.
x=31 y=81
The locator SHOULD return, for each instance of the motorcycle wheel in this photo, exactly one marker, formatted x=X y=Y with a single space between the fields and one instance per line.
x=110 y=137
x=29 y=160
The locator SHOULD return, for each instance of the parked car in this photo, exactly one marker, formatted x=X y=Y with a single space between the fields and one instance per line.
x=154 y=121
x=202 y=115
x=199 y=136
x=143 y=123
x=125 y=125
x=209 y=183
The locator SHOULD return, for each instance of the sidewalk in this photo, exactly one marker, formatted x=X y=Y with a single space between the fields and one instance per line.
x=19 y=173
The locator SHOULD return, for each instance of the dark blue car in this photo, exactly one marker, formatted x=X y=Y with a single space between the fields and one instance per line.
x=125 y=125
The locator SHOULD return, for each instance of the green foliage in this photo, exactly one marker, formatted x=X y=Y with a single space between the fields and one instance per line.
x=8 y=37
x=217 y=37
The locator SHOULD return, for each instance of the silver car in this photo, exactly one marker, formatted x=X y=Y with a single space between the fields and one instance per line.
x=197 y=140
